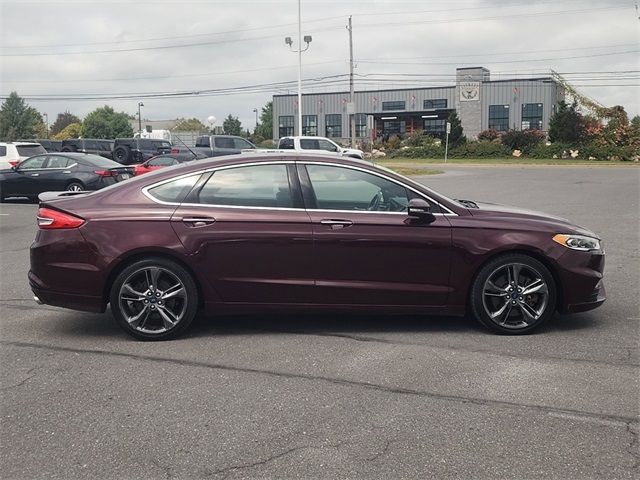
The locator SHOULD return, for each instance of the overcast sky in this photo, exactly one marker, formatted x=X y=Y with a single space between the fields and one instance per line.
x=236 y=43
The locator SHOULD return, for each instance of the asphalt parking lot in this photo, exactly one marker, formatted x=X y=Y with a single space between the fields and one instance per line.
x=334 y=396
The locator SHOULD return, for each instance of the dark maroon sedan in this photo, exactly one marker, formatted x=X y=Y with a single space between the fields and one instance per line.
x=248 y=233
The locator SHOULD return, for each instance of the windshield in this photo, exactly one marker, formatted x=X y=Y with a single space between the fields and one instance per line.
x=30 y=150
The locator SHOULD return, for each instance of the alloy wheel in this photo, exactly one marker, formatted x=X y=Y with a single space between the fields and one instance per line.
x=153 y=300
x=515 y=296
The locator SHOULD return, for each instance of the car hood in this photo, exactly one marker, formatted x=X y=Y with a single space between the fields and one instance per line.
x=507 y=211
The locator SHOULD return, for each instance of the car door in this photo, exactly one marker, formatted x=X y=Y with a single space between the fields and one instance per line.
x=56 y=174
x=26 y=177
x=249 y=232
x=367 y=249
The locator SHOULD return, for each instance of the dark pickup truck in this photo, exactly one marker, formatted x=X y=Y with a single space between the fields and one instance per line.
x=88 y=145
x=217 y=145
x=136 y=150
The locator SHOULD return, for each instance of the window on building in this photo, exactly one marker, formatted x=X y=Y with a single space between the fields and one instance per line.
x=499 y=117
x=361 y=124
x=435 y=126
x=433 y=104
x=532 y=116
x=333 y=125
x=285 y=126
x=310 y=125
x=396 y=105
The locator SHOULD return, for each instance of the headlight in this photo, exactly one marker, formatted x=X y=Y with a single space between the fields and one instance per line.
x=577 y=242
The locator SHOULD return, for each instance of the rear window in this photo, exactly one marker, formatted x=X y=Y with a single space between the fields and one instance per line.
x=286 y=144
x=30 y=150
x=174 y=191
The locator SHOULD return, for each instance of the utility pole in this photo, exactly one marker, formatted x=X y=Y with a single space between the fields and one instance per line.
x=352 y=99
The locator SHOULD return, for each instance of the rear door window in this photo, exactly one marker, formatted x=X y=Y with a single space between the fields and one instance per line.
x=251 y=186
x=223 y=142
x=59 y=162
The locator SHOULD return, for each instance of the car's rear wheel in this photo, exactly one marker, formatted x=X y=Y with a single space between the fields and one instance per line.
x=513 y=294
x=154 y=299
x=75 y=187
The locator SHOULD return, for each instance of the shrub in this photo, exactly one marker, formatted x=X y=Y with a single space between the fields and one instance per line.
x=489 y=135
x=428 y=151
x=394 y=143
x=523 y=140
x=267 y=144
x=482 y=149
x=548 y=151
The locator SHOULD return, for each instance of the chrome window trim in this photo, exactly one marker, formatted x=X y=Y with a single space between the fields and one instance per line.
x=146 y=189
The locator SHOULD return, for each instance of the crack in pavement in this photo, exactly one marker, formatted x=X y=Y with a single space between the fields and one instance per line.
x=385 y=449
x=335 y=381
x=367 y=339
x=19 y=384
x=633 y=447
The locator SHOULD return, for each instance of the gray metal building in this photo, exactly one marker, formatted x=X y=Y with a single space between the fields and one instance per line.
x=481 y=104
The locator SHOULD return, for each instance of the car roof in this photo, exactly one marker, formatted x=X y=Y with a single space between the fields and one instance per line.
x=19 y=144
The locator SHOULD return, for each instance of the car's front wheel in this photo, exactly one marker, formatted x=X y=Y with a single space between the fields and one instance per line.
x=154 y=299
x=513 y=294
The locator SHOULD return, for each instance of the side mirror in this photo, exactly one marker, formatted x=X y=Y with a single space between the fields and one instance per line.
x=420 y=209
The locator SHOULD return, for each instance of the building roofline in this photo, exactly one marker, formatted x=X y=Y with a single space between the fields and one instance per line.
x=346 y=92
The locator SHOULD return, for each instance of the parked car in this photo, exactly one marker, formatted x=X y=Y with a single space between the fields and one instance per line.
x=154 y=163
x=72 y=172
x=12 y=153
x=250 y=234
x=48 y=144
x=128 y=151
x=318 y=145
x=101 y=147
x=217 y=145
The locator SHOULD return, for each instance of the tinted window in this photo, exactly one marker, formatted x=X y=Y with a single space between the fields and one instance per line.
x=328 y=146
x=309 y=144
x=3 y=151
x=241 y=143
x=397 y=105
x=254 y=186
x=59 y=162
x=174 y=191
x=32 y=163
x=437 y=103
x=224 y=142
x=286 y=144
x=338 y=188
x=30 y=150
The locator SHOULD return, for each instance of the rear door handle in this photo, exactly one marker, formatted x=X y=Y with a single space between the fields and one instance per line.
x=35 y=174
x=198 y=221
x=336 y=224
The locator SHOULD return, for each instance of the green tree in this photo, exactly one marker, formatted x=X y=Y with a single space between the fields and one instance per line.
x=62 y=120
x=72 y=130
x=190 y=125
x=104 y=122
x=456 y=137
x=17 y=119
x=567 y=125
x=232 y=126
x=265 y=126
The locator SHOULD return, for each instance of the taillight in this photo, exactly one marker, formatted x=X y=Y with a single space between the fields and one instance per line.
x=49 y=219
x=175 y=150
x=13 y=163
x=105 y=173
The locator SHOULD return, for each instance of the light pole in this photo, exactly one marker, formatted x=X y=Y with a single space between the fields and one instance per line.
x=307 y=40
x=46 y=120
x=140 y=104
x=255 y=110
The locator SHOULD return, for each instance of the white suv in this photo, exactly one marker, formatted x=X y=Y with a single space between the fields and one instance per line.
x=319 y=145
x=12 y=153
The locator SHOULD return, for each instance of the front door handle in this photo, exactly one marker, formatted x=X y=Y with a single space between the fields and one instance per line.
x=35 y=174
x=336 y=224
x=198 y=221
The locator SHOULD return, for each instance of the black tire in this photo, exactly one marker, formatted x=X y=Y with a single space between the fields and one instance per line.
x=122 y=154
x=74 y=187
x=524 y=310
x=146 y=316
